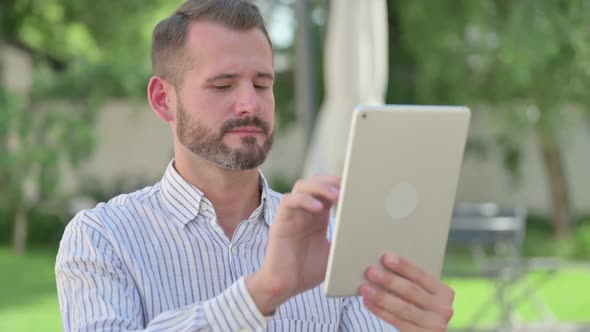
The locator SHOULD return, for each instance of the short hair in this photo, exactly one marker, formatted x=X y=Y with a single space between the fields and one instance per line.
x=169 y=59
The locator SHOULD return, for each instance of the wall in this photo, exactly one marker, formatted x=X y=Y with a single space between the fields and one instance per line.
x=136 y=142
x=134 y=146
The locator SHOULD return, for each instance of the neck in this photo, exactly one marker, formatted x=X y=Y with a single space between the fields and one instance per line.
x=234 y=194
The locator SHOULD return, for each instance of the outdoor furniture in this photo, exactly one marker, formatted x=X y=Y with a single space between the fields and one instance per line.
x=493 y=236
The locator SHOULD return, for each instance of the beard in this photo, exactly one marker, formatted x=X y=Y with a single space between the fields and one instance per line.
x=208 y=144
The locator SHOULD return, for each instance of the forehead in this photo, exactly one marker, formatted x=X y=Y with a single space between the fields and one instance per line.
x=212 y=44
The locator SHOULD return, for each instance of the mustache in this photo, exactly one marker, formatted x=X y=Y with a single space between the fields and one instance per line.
x=252 y=121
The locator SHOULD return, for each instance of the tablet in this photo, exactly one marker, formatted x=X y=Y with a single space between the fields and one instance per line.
x=398 y=190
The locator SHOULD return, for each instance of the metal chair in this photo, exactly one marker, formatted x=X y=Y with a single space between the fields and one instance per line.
x=494 y=236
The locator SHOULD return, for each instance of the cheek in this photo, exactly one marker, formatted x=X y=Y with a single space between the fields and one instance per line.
x=206 y=108
x=213 y=99
x=269 y=108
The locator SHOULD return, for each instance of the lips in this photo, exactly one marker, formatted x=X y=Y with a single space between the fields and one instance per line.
x=246 y=126
x=245 y=130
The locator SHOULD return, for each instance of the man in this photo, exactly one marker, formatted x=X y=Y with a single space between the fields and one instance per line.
x=210 y=246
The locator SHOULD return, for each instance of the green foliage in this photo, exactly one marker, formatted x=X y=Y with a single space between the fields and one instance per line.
x=582 y=239
x=93 y=48
x=499 y=51
x=36 y=139
x=284 y=88
x=44 y=228
x=281 y=184
x=525 y=60
x=82 y=53
x=5 y=226
x=539 y=241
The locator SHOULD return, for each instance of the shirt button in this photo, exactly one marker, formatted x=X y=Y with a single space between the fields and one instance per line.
x=234 y=250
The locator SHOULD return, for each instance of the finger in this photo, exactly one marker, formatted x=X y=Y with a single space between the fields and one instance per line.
x=302 y=201
x=400 y=324
x=416 y=274
x=386 y=316
x=333 y=180
x=320 y=189
x=394 y=306
x=409 y=291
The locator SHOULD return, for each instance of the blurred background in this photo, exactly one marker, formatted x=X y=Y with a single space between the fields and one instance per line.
x=76 y=129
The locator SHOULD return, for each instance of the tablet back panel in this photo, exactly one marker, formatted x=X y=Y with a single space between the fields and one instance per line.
x=399 y=183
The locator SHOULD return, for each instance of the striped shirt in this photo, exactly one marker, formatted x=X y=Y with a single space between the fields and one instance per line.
x=157 y=260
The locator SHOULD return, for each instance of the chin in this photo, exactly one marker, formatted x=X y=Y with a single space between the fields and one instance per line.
x=248 y=150
x=246 y=143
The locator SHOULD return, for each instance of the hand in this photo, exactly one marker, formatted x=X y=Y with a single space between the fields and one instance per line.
x=297 y=250
x=407 y=297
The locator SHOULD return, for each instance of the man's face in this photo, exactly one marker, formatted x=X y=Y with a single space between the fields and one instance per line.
x=225 y=110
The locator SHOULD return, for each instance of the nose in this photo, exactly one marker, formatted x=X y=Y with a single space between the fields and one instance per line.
x=248 y=103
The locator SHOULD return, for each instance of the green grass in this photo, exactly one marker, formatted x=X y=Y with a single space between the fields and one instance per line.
x=28 y=299
x=566 y=294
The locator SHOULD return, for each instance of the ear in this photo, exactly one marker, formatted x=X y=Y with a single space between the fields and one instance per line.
x=160 y=96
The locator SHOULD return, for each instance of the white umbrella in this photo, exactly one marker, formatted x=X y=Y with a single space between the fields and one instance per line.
x=355 y=73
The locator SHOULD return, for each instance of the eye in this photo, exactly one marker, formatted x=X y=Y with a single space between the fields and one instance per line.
x=221 y=87
x=262 y=84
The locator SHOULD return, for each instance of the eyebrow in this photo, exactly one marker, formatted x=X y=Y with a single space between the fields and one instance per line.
x=269 y=76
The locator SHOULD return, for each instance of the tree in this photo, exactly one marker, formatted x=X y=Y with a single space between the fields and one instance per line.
x=526 y=61
x=82 y=52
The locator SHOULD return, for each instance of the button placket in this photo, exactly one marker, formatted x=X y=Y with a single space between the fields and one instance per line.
x=232 y=250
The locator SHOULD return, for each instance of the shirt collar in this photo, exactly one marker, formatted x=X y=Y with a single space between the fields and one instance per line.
x=183 y=200
x=263 y=211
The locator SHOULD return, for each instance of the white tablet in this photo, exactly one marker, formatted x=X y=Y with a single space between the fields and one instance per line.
x=398 y=190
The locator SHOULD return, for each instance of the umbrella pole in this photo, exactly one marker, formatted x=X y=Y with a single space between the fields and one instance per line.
x=305 y=83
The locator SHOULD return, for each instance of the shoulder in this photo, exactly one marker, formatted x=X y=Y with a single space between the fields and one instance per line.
x=120 y=209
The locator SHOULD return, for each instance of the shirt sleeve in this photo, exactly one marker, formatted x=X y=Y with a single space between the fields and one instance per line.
x=356 y=317
x=97 y=294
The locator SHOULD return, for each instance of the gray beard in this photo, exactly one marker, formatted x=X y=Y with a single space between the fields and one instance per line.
x=207 y=144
